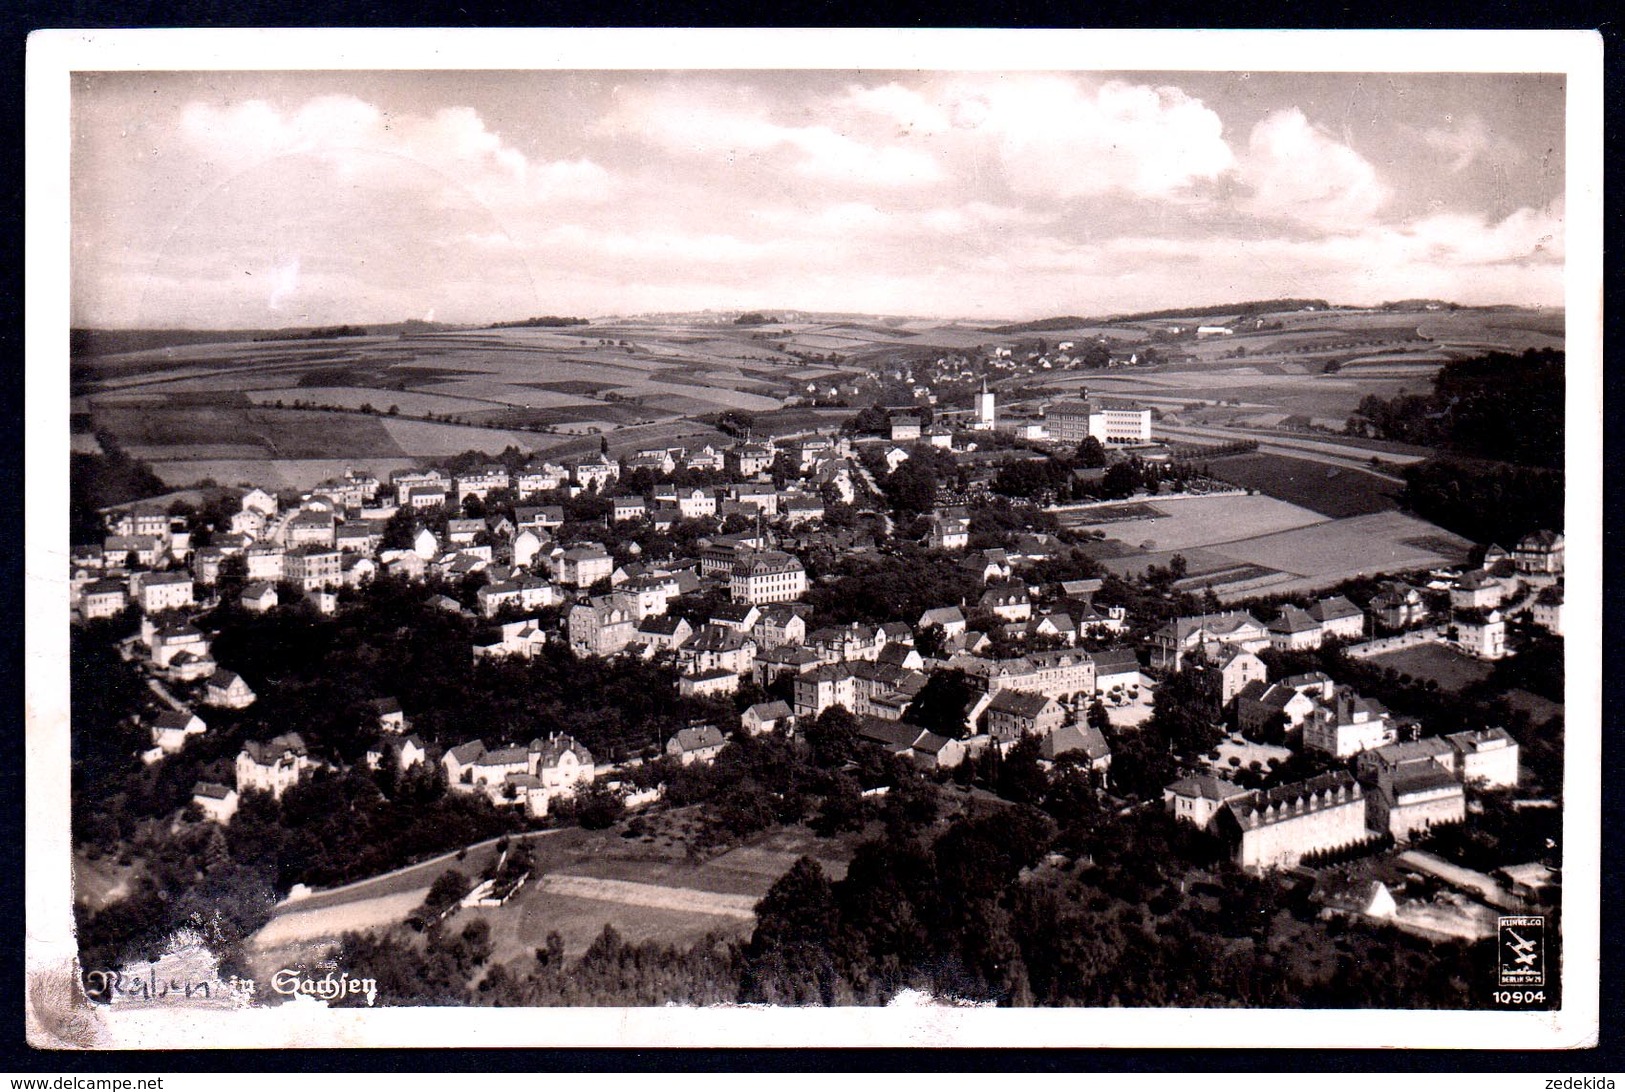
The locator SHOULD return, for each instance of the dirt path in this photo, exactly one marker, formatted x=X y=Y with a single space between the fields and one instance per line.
x=335 y=921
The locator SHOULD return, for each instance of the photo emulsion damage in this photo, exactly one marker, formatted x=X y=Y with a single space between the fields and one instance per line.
x=894 y=538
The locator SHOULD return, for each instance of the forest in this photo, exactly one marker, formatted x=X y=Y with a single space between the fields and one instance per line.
x=1498 y=423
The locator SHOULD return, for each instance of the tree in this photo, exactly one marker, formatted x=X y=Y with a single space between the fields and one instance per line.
x=1120 y=480
x=1091 y=453
x=790 y=958
x=942 y=703
x=833 y=736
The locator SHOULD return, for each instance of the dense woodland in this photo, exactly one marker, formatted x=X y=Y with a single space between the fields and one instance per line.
x=1498 y=421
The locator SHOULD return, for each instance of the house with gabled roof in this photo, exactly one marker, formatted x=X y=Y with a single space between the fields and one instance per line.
x=1085 y=741
x=227 y=689
x=218 y=803
x=1338 y=618
x=767 y=716
x=273 y=766
x=1196 y=800
x=1009 y=601
x=1208 y=632
x=699 y=743
x=459 y=762
x=561 y=763
x=1016 y=713
x=1293 y=630
x=951 y=620
x=1539 y=553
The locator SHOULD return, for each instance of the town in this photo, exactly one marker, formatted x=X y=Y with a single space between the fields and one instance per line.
x=916 y=601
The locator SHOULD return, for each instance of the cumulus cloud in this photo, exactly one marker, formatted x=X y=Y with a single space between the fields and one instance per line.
x=1297 y=170
x=1062 y=137
x=361 y=143
x=731 y=131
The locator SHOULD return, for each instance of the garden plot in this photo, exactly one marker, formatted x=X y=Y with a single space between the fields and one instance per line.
x=650 y=391
x=273 y=474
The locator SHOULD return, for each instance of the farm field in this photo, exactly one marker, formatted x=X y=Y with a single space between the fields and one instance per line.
x=1357 y=546
x=1330 y=490
x=417 y=403
x=1315 y=554
x=1452 y=670
x=1206 y=521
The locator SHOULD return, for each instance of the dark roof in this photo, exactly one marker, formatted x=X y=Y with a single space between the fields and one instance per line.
x=1207 y=787
x=1114 y=661
x=1019 y=703
x=769 y=710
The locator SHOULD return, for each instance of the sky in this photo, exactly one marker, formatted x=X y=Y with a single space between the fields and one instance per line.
x=250 y=199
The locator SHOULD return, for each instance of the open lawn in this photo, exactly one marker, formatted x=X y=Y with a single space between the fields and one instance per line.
x=1452 y=670
x=1330 y=490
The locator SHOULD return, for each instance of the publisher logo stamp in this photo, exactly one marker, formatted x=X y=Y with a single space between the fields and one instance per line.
x=1522 y=951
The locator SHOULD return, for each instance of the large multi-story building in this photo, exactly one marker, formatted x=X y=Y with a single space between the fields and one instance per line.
x=1116 y=424
x=601 y=627
x=315 y=567
x=1277 y=828
x=767 y=576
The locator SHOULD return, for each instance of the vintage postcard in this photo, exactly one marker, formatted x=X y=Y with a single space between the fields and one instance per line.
x=766 y=538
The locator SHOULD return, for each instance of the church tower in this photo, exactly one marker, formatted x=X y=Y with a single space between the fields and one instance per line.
x=985 y=408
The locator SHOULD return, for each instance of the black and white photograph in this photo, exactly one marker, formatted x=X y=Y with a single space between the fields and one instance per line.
x=826 y=554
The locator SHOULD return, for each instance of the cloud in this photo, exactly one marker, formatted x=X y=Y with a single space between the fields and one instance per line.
x=1467 y=142
x=1059 y=137
x=728 y=130
x=1297 y=171
x=364 y=145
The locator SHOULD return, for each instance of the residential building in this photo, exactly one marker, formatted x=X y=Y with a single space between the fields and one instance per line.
x=1416 y=798
x=481 y=483
x=765 y=717
x=265 y=561
x=1294 y=630
x=165 y=591
x=663 y=633
x=1486 y=757
x=171 y=731
x=524 y=638
x=309 y=528
x=227 y=689
x=948 y=532
x=1539 y=553
x=315 y=567
x=584 y=565
x=102 y=599
x=1010 y=602
x=1209 y=633
x=258 y=596
x=1277 y=828
x=1081 y=740
x=748 y=460
x=1016 y=713
x=1398 y=606
x=951 y=620
x=716 y=682
x=1547 y=610
x=778 y=624
x=925 y=748
x=823 y=687
x=1117 y=670
x=713 y=648
x=218 y=803
x=561 y=763
x=540 y=479
x=600 y=627
x=171 y=641
x=1347 y=725
x=273 y=766
x=701 y=743
x=905 y=429
x=1197 y=800
x=1479 y=633
x=596 y=473
x=1339 y=618
x=629 y=508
